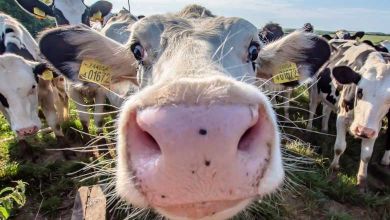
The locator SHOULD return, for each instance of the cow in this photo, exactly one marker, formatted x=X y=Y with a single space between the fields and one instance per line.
x=67 y=12
x=118 y=26
x=196 y=142
x=341 y=93
x=324 y=90
x=22 y=83
x=369 y=94
x=269 y=33
x=345 y=35
x=378 y=47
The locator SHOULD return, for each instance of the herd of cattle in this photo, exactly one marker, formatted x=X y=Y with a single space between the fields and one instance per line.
x=195 y=138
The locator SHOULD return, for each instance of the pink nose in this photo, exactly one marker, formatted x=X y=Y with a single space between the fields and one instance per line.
x=364 y=132
x=197 y=155
x=27 y=131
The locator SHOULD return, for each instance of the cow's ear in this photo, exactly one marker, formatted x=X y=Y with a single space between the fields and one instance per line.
x=358 y=35
x=44 y=71
x=327 y=36
x=345 y=75
x=39 y=8
x=78 y=50
x=100 y=8
x=293 y=59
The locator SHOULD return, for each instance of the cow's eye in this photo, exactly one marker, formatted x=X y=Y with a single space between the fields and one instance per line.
x=253 y=51
x=34 y=86
x=359 y=93
x=138 y=51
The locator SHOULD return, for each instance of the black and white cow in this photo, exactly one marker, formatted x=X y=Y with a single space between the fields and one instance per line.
x=346 y=85
x=378 y=47
x=71 y=12
x=21 y=84
x=269 y=33
x=371 y=102
x=345 y=35
x=67 y=11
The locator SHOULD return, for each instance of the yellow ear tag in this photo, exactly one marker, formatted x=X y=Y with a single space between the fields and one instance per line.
x=47 y=2
x=287 y=72
x=97 y=16
x=39 y=13
x=96 y=72
x=47 y=75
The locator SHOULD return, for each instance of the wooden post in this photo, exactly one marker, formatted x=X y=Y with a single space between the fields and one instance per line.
x=90 y=204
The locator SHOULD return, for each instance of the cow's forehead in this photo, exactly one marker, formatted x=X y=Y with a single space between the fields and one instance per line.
x=14 y=71
x=171 y=27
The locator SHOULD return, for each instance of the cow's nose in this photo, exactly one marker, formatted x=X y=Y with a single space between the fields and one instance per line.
x=364 y=132
x=205 y=131
x=196 y=155
x=27 y=131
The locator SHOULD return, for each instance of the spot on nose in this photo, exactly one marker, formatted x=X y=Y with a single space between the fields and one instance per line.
x=202 y=131
x=207 y=163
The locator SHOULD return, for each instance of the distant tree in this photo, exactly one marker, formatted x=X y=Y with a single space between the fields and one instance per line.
x=33 y=24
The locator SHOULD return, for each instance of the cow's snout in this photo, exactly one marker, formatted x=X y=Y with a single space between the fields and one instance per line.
x=27 y=131
x=364 y=132
x=195 y=161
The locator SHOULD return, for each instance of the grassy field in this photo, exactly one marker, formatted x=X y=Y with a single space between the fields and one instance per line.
x=375 y=38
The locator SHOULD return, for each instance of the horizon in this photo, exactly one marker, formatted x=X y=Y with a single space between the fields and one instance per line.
x=328 y=15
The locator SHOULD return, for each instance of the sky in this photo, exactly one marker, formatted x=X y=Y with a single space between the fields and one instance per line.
x=331 y=15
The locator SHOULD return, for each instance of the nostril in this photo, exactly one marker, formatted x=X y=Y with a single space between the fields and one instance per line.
x=152 y=143
x=144 y=138
x=245 y=139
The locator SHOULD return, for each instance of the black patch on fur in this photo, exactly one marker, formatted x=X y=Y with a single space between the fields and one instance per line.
x=104 y=7
x=327 y=36
x=378 y=48
x=345 y=75
x=9 y=30
x=271 y=32
x=63 y=51
x=4 y=101
x=2 y=46
x=359 y=34
x=325 y=86
x=23 y=52
x=29 y=5
x=388 y=133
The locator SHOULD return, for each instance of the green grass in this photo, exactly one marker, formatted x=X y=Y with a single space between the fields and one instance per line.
x=375 y=38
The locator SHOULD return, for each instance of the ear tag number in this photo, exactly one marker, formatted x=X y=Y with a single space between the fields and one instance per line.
x=287 y=72
x=39 y=13
x=47 y=75
x=95 y=72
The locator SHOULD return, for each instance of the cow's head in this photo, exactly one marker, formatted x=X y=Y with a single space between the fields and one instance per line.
x=67 y=11
x=370 y=95
x=345 y=35
x=198 y=141
x=19 y=93
x=271 y=32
